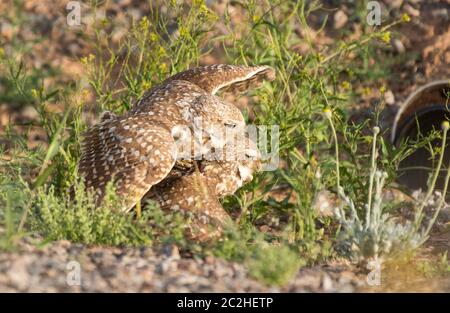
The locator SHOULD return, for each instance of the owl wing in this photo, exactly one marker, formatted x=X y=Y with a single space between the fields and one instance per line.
x=224 y=77
x=129 y=151
x=184 y=87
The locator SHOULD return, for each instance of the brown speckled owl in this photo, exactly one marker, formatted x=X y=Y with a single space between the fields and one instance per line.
x=139 y=149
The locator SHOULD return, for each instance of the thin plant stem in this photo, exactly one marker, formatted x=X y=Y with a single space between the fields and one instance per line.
x=328 y=114
x=435 y=176
x=373 y=168
x=438 y=209
x=445 y=127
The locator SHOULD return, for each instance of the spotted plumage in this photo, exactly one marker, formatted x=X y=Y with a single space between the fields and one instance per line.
x=141 y=148
x=198 y=191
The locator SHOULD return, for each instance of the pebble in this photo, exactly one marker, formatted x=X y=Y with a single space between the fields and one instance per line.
x=6 y=30
x=398 y=46
x=340 y=19
x=171 y=251
x=411 y=10
x=395 y=4
x=327 y=283
x=18 y=275
x=442 y=13
x=389 y=97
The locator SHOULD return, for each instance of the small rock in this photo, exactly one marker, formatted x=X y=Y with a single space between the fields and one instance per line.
x=18 y=274
x=398 y=46
x=395 y=3
x=186 y=279
x=177 y=289
x=146 y=253
x=325 y=202
x=118 y=34
x=147 y=275
x=134 y=13
x=188 y=265
x=29 y=113
x=124 y=3
x=171 y=251
x=327 y=283
x=108 y=271
x=411 y=10
x=307 y=280
x=389 y=97
x=222 y=270
x=167 y=266
x=6 y=30
x=209 y=260
x=340 y=19
x=442 y=13
x=74 y=49
x=64 y=244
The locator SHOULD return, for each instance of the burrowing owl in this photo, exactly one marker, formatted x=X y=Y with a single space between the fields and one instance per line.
x=139 y=149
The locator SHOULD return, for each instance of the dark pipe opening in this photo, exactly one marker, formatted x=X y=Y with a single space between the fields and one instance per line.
x=415 y=169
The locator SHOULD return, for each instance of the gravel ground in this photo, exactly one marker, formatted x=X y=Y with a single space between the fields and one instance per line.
x=102 y=269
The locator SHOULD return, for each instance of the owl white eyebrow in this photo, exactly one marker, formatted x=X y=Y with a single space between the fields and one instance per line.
x=238 y=79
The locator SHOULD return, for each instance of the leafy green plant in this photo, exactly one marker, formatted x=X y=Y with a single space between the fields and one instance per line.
x=274 y=264
x=81 y=219
x=433 y=268
x=14 y=200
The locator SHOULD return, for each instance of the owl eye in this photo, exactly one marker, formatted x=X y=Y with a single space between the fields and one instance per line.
x=230 y=124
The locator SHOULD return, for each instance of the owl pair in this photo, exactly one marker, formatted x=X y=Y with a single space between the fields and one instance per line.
x=140 y=151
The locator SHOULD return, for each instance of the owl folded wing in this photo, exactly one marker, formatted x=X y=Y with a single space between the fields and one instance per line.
x=128 y=151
